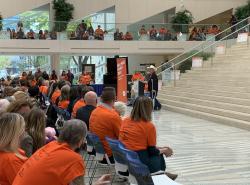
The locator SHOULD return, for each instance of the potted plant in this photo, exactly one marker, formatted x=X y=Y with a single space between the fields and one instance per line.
x=181 y=21
x=63 y=14
x=243 y=12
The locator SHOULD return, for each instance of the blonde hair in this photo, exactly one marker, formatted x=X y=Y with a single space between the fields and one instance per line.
x=120 y=107
x=12 y=126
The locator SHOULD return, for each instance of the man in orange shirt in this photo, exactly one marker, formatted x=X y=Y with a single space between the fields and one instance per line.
x=57 y=163
x=99 y=33
x=105 y=121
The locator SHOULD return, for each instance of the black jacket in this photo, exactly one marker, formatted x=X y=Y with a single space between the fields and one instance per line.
x=153 y=82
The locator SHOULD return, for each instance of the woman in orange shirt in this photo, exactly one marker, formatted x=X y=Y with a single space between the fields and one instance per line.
x=12 y=127
x=138 y=133
x=58 y=163
x=64 y=98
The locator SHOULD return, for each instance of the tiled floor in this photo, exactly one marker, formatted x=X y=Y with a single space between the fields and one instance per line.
x=205 y=153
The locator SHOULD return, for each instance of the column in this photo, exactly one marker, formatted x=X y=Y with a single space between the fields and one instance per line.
x=55 y=63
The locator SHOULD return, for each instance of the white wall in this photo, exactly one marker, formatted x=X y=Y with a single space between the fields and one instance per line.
x=131 y=11
x=82 y=7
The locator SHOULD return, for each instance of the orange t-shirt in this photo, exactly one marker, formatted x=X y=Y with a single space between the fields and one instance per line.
x=85 y=79
x=53 y=164
x=137 y=76
x=80 y=103
x=105 y=122
x=137 y=135
x=33 y=83
x=10 y=164
x=55 y=95
x=99 y=32
x=63 y=104
x=43 y=89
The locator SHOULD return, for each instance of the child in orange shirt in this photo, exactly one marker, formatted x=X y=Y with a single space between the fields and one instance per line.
x=12 y=127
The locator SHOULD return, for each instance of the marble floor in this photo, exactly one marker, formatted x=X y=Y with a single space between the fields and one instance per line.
x=205 y=153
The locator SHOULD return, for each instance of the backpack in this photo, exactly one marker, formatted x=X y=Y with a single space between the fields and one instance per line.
x=62 y=117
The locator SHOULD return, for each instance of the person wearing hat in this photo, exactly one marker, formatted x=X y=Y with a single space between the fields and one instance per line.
x=153 y=86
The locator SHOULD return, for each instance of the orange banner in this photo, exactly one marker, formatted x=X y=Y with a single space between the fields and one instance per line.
x=121 y=79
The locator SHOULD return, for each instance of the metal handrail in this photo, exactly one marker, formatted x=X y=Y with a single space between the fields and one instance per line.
x=215 y=42
x=199 y=45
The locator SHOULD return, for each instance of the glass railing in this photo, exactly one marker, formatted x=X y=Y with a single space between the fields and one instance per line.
x=202 y=55
x=15 y=29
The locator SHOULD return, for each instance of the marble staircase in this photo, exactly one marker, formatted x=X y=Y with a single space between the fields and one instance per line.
x=219 y=93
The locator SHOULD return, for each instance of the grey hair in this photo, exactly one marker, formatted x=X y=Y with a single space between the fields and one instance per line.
x=73 y=132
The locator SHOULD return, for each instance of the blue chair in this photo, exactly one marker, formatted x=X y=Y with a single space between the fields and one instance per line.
x=120 y=161
x=139 y=174
x=99 y=154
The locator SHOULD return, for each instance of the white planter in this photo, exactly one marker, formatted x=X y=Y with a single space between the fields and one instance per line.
x=182 y=37
x=4 y=35
x=220 y=50
x=197 y=62
x=62 y=35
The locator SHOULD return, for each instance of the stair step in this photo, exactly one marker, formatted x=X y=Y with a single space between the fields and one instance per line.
x=210 y=110
x=208 y=103
x=172 y=90
x=216 y=98
x=210 y=117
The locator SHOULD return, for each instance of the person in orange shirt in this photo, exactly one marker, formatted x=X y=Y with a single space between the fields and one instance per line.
x=43 y=88
x=85 y=79
x=12 y=127
x=57 y=93
x=138 y=76
x=99 y=33
x=80 y=102
x=64 y=98
x=57 y=163
x=105 y=121
x=138 y=134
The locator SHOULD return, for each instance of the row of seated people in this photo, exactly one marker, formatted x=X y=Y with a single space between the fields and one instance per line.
x=200 y=34
x=41 y=35
x=54 y=160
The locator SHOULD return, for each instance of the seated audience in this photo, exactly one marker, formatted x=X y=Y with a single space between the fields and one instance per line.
x=74 y=95
x=13 y=34
x=57 y=92
x=57 y=162
x=12 y=127
x=85 y=79
x=31 y=34
x=128 y=36
x=162 y=33
x=120 y=108
x=46 y=35
x=143 y=31
x=21 y=106
x=85 y=36
x=99 y=33
x=53 y=76
x=84 y=112
x=64 y=76
x=138 y=133
x=64 y=98
x=153 y=33
x=117 y=35
x=104 y=120
x=41 y=36
x=34 y=136
x=4 y=103
x=80 y=102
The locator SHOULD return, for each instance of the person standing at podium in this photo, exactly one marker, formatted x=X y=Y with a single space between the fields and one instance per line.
x=85 y=79
x=153 y=86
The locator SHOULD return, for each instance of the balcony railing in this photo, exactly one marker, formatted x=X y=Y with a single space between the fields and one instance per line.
x=77 y=30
